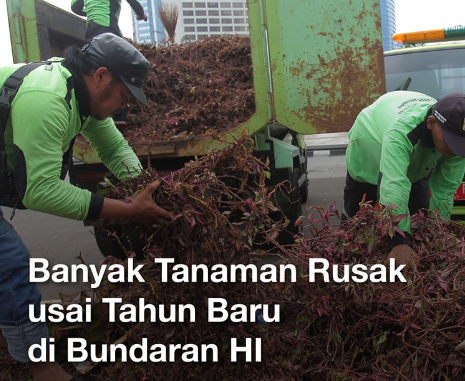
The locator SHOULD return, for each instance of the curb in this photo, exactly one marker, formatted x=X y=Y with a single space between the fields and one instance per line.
x=326 y=144
x=326 y=151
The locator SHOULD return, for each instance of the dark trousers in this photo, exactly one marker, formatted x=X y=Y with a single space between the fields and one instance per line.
x=94 y=29
x=354 y=191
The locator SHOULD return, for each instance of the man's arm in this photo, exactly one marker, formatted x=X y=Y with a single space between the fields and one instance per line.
x=394 y=189
x=394 y=185
x=112 y=149
x=41 y=135
x=77 y=6
x=40 y=143
x=138 y=9
x=119 y=157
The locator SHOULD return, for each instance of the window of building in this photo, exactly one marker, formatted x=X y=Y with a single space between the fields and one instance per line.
x=188 y=13
x=239 y=21
x=189 y=29
x=200 y=13
x=188 y=5
x=215 y=29
x=202 y=29
x=213 y=13
x=227 y=28
x=226 y=21
x=214 y=21
x=225 y=5
x=189 y=37
x=237 y=5
x=199 y=5
x=238 y=13
x=201 y=21
x=189 y=21
x=212 y=5
x=226 y=13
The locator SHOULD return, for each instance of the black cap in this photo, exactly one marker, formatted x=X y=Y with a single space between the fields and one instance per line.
x=449 y=111
x=122 y=59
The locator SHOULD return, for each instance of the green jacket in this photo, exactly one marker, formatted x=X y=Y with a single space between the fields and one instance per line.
x=104 y=12
x=49 y=110
x=389 y=143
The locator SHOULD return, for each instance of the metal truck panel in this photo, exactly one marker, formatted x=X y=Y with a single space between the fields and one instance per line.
x=84 y=152
x=325 y=61
x=39 y=30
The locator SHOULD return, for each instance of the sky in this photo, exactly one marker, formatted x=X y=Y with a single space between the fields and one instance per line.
x=411 y=15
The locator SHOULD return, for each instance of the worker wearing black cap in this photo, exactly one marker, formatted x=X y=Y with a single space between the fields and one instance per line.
x=406 y=150
x=54 y=103
x=103 y=15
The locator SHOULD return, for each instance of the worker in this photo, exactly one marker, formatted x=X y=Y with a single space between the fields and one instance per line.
x=103 y=15
x=406 y=150
x=57 y=101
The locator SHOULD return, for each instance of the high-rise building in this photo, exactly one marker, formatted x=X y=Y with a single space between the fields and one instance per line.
x=152 y=31
x=196 y=19
x=212 y=18
x=388 y=24
x=199 y=19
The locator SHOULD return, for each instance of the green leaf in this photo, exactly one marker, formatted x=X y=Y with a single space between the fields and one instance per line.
x=383 y=338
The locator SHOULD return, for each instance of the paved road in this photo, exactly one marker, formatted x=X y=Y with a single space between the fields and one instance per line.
x=57 y=239
x=61 y=240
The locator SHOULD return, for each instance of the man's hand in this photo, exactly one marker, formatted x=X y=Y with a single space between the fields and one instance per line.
x=141 y=208
x=142 y=18
x=403 y=255
x=147 y=212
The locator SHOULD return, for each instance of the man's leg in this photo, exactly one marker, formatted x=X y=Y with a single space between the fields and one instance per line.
x=94 y=29
x=353 y=195
x=419 y=196
x=16 y=294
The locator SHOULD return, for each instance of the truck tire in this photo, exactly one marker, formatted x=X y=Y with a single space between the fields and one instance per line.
x=109 y=245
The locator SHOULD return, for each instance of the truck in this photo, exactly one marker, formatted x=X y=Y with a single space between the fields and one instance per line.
x=315 y=66
x=431 y=62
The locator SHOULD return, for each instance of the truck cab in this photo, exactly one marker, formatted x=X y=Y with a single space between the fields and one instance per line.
x=432 y=62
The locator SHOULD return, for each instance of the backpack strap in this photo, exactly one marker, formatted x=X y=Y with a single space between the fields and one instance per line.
x=7 y=94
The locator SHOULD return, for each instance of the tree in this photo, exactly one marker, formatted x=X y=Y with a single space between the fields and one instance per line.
x=169 y=18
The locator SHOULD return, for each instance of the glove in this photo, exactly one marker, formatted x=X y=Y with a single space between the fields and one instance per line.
x=403 y=255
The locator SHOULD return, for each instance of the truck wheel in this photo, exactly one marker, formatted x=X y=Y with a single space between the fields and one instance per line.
x=109 y=245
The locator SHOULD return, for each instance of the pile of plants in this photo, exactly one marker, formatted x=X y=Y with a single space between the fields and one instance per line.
x=220 y=202
x=327 y=330
x=193 y=89
x=381 y=331
x=225 y=214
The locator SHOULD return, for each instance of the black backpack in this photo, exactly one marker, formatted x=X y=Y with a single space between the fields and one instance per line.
x=8 y=192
